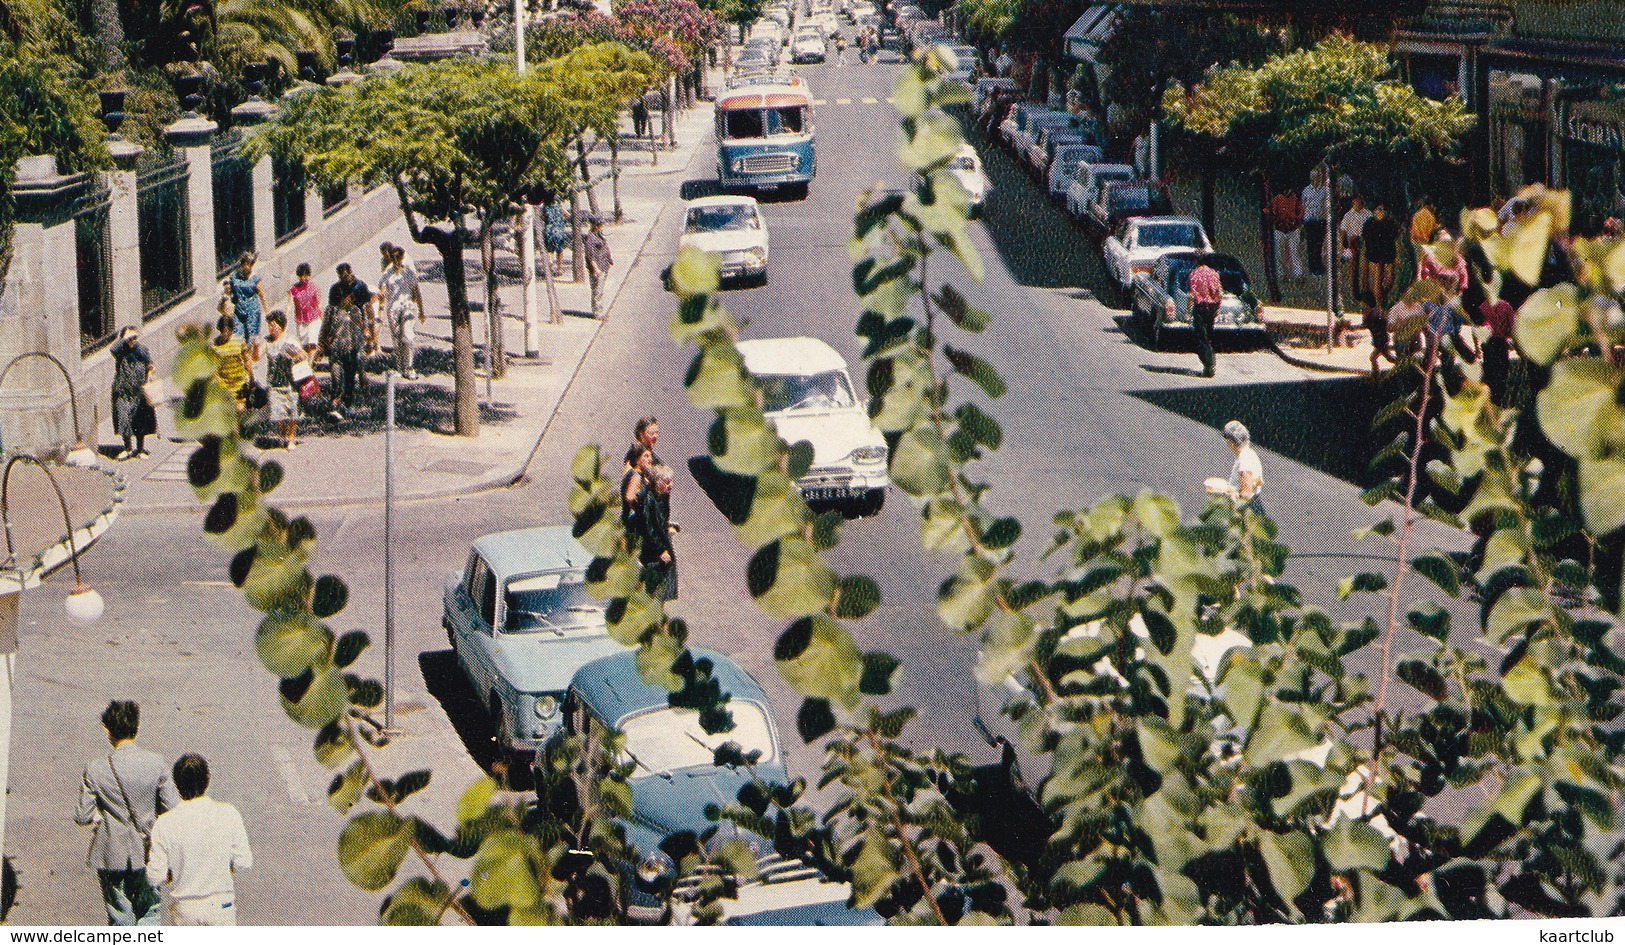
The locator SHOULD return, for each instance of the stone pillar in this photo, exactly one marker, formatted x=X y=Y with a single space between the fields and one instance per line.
x=39 y=310
x=124 y=235
x=253 y=112
x=313 y=209
x=191 y=137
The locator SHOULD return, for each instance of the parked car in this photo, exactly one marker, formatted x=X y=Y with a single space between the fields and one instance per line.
x=984 y=88
x=1036 y=124
x=997 y=107
x=807 y=395
x=753 y=60
x=521 y=623
x=1140 y=241
x=1016 y=121
x=731 y=226
x=767 y=44
x=1087 y=179
x=967 y=64
x=1066 y=161
x=1051 y=139
x=966 y=167
x=1121 y=200
x=674 y=780
x=807 y=46
x=1162 y=297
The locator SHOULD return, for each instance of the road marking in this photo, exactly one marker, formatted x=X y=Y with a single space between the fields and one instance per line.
x=843 y=101
x=890 y=100
x=819 y=101
x=207 y=584
x=871 y=101
x=290 y=774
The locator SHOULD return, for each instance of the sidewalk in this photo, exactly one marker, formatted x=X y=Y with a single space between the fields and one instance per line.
x=1298 y=336
x=341 y=462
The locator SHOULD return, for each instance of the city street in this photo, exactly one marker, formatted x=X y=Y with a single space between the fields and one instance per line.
x=1091 y=411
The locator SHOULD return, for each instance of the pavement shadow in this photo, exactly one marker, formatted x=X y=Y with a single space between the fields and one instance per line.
x=1039 y=244
x=695 y=189
x=445 y=681
x=418 y=405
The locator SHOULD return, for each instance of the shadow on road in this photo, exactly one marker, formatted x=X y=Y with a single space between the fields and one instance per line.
x=1038 y=243
x=447 y=684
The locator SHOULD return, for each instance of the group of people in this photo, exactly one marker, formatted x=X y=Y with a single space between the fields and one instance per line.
x=154 y=825
x=646 y=511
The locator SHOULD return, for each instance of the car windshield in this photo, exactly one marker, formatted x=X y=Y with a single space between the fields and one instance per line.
x=672 y=739
x=552 y=602
x=717 y=219
x=824 y=391
x=1170 y=234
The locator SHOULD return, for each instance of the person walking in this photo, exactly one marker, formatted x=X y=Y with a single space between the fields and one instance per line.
x=1423 y=224
x=1443 y=262
x=1286 y=219
x=402 y=303
x=121 y=795
x=1207 y=292
x=1500 y=317
x=282 y=352
x=655 y=530
x=640 y=116
x=639 y=461
x=651 y=104
x=645 y=435
x=344 y=326
x=243 y=289
x=1349 y=231
x=840 y=49
x=1317 y=208
x=1246 y=479
x=555 y=235
x=132 y=369
x=1382 y=346
x=1380 y=240
x=196 y=848
x=231 y=370
x=307 y=310
x=599 y=260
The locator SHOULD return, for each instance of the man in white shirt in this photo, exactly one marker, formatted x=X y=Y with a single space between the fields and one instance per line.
x=1350 y=230
x=1317 y=208
x=1247 y=472
x=196 y=847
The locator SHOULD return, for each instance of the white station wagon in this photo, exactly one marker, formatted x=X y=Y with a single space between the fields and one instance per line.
x=733 y=228
x=807 y=395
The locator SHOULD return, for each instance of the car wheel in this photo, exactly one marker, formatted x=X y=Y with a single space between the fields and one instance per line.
x=799 y=191
x=1156 y=334
x=872 y=502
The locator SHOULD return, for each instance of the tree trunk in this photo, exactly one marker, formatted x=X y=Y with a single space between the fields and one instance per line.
x=586 y=175
x=467 y=420
x=1210 y=175
x=578 y=268
x=554 y=316
x=108 y=27
x=615 y=174
x=496 y=356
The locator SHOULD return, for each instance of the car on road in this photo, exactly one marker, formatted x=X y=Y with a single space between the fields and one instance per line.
x=1034 y=125
x=807 y=46
x=521 y=623
x=966 y=166
x=732 y=227
x=753 y=59
x=1139 y=242
x=1015 y=122
x=967 y=64
x=808 y=395
x=984 y=88
x=1121 y=200
x=1087 y=180
x=1161 y=298
x=675 y=778
x=1068 y=158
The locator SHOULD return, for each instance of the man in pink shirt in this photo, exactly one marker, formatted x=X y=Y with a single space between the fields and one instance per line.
x=1206 y=294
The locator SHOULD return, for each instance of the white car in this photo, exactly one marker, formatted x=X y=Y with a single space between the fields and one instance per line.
x=1140 y=241
x=1087 y=179
x=966 y=167
x=966 y=62
x=1068 y=158
x=807 y=46
x=807 y=395
x=733 y=228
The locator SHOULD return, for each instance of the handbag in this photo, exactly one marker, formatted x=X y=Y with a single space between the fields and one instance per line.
x=304 y=380
x=255 y=395
x=146 y=835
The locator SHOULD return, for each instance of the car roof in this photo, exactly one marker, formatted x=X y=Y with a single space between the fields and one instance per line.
x=723 y=200
x=613 y=688
x=790 y=356
x=1143 y=221
x=526 y=550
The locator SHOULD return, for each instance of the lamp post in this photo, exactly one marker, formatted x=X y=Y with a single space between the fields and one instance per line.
x=527 y=219
x=83 y=605
x=81 y=454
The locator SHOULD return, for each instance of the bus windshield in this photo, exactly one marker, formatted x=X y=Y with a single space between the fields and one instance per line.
x=764 y=123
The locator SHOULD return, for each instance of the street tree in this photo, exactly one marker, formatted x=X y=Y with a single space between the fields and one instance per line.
x=1338 y=103
x=452 y=138
x=1286 y=784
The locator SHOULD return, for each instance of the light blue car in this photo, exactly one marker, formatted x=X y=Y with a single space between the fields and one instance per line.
x=521 y=623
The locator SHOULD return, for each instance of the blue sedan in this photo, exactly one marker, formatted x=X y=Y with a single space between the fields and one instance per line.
x=675 y=779
x=521 y=623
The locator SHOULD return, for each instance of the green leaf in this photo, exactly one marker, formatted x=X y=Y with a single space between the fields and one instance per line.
x=1290 y=860
x=1439 y=569
x=1003 y=533
x=818 y=658
x=418 y=902
x=872 y=871
x=1424 y=678
x=878 y=670
x=371 y=848
x=345 y=789
x=276 y=579
x=585 y=464
x=329 y=596
x=323 y=700
x=655 y=659
x=1525 y=683
x=1431 y=620
x=1514 y=610
x=349 y=647
x=1087 y=913
x=1546 y=321
x=476 y=799
x=919 y=465
x=981 y=427
x=1602 y=495
x=789 y=578
x=966 y=600
x=1364 y=583
x=960 y=311
x=976 y=369
x=942 y=527
x=270 y=476
x=1579 y=404
x=1159 y=744
x=1280 y=733
x=1243 y=691
x=1507 y=548
x=1353 y=845
x=716 y=379
x=694 y=272
x=502 y=874
x=1526 y=244
x=859 y=596
x=814 y=719
x=289 y=644
x=737 y=858
x=332 y=746
x=776 y=511
x=742 y=444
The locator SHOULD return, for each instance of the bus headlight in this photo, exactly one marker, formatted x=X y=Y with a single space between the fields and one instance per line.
x=739 y=165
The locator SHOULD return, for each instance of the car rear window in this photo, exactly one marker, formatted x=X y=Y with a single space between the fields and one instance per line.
x=1170 y=234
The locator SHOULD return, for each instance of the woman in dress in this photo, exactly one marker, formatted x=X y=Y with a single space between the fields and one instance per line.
x=248 y=305
x=133 y=417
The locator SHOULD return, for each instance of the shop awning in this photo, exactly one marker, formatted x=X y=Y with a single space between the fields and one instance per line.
x=1085 y=37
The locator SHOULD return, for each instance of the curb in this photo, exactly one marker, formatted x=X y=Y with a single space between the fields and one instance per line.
x=82 y=539
x=1307 y=365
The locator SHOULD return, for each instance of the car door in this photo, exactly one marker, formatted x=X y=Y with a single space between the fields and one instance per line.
x=481 y=652
x=1116 y=250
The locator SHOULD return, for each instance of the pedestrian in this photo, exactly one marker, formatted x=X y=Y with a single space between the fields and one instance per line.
x=1423 y=223
x=132 y=370
x=196 y=847
x=1376 y=322
x=639 y=460
x=282 y=352
x=555 y=234
x=122 y=794
x=232 y=360
x=1445 y=342
x=1246 y=480
x=645 y=435
x=651 y=104
x=307 y=309
x=1349 y=231
x=1207 y=292
x=1317 y=208
x=1500 y=317
x=246 y=295
x=840 y=49
x=640 y=116
x=1380 y=239
x=402 y=303
x=344 y=335
x=1286 y=219
x=598 y=262
x=655 y=530
x=1442 y=262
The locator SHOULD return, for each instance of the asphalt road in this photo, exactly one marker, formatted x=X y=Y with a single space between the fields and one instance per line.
x=1091 y=411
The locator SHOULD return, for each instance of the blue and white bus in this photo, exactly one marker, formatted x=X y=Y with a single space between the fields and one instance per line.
x=765 y=134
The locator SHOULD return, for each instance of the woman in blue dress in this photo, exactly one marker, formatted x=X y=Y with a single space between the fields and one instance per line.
x=247 y=297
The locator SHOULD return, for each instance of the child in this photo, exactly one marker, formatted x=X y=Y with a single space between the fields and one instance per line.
x=283 y=352
x=232 y=372
x=307 y=310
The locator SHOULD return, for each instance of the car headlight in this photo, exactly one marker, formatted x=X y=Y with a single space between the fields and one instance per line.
x=869 y=454
x=546 y=707
x=653 y=868
x=757 y=253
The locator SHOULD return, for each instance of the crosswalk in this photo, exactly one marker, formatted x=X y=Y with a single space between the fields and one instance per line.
x=865 y=100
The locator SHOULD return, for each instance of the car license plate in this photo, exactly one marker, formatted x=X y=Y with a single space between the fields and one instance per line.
x=827 y=492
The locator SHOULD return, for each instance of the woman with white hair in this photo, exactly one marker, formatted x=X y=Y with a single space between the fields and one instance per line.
x=1246 y=473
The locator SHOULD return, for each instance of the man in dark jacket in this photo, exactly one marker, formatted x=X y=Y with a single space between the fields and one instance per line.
x=598 y=262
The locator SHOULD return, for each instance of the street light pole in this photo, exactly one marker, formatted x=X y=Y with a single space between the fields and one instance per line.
x=389 y=551
x=527 y=219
